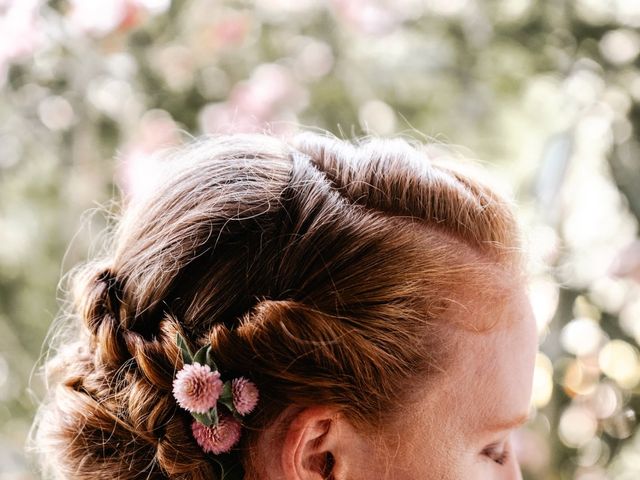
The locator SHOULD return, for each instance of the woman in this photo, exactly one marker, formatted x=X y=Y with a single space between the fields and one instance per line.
x=359 y=312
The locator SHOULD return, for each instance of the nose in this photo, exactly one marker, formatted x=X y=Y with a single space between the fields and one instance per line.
x=516 y=472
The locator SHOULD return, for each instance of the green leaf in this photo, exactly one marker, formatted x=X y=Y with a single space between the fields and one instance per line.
x=213 y=413
x=203 y=418
x=226 y=396
x=184 y=349
x=207 y=419
x=210 y=361
x=202 y=357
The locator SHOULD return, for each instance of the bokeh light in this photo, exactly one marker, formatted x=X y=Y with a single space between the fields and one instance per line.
x=619 y=360
x=577 y=427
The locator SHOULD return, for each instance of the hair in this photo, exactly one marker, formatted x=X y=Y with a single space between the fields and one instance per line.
x=321 y=269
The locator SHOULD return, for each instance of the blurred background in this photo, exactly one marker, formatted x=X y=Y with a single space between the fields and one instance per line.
x=545 y=94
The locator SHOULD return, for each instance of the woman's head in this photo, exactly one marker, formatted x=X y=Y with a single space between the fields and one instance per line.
x=354 y=284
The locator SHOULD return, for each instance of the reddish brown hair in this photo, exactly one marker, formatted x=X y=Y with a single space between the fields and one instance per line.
x=321 y=269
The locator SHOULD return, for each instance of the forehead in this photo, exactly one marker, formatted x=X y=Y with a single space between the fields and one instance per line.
x=491 y=372
x=488 y=297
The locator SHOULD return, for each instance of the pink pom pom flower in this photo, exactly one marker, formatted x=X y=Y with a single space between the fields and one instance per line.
x=245 y=395
x=197 y=388
x=219 y=438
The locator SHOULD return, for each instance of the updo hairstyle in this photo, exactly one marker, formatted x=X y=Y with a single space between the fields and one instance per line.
x=321 y=269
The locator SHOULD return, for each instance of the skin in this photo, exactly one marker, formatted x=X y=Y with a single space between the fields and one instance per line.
x=460 y=428
x=487 y=396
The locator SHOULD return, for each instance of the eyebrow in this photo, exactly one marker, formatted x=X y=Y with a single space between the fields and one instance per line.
x=511 y=423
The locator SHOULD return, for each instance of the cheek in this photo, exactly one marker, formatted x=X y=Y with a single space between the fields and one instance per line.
x=454 y=464
x=429 y=446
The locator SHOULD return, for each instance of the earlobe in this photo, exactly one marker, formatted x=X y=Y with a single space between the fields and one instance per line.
x=308 y=451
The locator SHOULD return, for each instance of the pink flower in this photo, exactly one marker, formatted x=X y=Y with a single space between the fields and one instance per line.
x=220 y=438
x=197 y=388
x=245 y=395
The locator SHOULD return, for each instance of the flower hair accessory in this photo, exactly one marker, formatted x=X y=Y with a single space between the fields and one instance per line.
x=216 y=406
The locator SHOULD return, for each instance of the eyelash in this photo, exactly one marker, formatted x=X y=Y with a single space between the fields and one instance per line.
x=499 y=457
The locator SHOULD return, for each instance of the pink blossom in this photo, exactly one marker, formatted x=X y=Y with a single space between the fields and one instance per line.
x=100 y=18
x=245 y=395
x=627 y=262
x=269 y=99
x=22 y=30
x=220 y=438
x=368 y=16
x=197 y=388
x=139 y=169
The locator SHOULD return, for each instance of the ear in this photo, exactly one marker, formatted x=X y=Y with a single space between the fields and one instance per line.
x=315 y=446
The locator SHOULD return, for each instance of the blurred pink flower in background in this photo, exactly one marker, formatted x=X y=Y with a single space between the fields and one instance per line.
x=177 y=64
x=627 y=263
x=21 y=31
x=214 y=29
x=98 y=17
x=272 y=96
x=136 y=164
x=367 y=16
x=229 y=31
